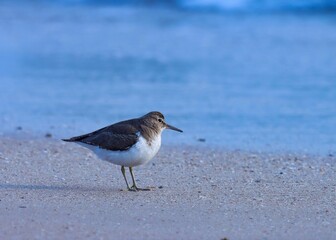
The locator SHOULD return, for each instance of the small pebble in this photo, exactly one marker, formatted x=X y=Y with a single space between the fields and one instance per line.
x=201 y=139
x=48 y=135
x=19 y=128
x=160 y=187
x=22 y=207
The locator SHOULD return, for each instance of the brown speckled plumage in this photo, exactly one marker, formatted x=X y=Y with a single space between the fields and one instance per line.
x=123 y=135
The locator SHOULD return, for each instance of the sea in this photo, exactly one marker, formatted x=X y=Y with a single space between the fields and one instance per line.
x=234 y=74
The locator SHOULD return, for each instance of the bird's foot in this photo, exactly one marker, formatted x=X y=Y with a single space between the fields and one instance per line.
x=136 y=189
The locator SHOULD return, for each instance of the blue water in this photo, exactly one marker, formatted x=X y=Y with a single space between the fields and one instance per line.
x=260 y=5
x=217 y=5
x=246 y=81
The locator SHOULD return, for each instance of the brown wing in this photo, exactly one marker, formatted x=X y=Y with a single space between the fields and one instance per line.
x=118 y=137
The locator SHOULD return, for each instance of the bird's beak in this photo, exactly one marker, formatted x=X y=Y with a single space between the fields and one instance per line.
x=173 y=128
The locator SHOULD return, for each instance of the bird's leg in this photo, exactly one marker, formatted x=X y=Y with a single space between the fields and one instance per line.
x=134 y=187
x=123 y=173
x=134 y=184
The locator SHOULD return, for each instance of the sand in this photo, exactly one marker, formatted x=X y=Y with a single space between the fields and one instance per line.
x=55 y=190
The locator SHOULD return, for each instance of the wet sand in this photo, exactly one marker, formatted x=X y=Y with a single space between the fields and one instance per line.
x=55 y=190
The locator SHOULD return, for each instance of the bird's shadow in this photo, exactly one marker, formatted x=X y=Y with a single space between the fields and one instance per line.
x=72 y=188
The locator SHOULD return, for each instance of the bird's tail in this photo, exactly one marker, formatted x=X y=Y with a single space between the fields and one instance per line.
x=68 y=140
x=77 y=138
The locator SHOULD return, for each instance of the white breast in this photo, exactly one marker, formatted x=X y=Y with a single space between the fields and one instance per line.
x=138 y=154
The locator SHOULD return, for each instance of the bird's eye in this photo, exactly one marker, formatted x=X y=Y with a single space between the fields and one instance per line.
x=160 y=120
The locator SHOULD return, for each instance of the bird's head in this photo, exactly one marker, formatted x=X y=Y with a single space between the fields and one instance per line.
x=157 y=121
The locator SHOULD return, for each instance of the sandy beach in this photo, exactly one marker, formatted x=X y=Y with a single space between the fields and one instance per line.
x=55 y=190
x=253 y=92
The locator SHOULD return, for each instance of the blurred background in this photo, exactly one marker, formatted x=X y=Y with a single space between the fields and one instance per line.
x=254 y=75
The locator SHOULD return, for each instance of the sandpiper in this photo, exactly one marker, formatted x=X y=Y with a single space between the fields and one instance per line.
x=128 y=143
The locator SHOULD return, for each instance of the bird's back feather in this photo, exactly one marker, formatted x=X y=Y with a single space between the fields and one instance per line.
x=118 y=137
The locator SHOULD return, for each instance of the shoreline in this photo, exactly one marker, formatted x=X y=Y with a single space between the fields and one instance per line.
x=202 y=144
x=53 y=189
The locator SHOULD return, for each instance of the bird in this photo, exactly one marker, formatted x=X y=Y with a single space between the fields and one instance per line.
x=128 y=143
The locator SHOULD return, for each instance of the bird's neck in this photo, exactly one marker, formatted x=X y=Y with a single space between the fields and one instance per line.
x=150 y=133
